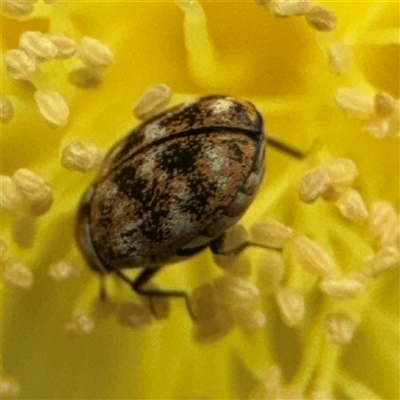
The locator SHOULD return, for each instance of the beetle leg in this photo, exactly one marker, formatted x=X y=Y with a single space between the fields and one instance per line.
x=139 y=283
x=286 y=148
x=144 y=277
x=217 y=247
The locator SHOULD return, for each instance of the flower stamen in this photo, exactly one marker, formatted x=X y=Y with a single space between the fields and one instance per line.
x=340 y=328
x=62 y=270
x=36 y=194
x=53 y=107
x=81 y=323
x=152 y=101
x=321 y=19
x=291 y=304
x=80 y=157
x=6 y=110
x=384 y=223
x=38 y=46
x=17 y=274
x=19 y=65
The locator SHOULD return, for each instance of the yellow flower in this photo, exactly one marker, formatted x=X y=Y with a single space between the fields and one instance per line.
x=321 y=318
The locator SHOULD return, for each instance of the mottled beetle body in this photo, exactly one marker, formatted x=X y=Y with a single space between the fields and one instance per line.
x=173 y=185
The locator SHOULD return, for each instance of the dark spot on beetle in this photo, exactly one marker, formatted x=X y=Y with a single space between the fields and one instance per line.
x=235 y=152
x=203 y=193
x=128 y=183
x=105 y=211
x=241 y=116
x=187 y=116
x=179 y=157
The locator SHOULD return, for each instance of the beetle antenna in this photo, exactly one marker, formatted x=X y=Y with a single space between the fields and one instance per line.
x=287 y=148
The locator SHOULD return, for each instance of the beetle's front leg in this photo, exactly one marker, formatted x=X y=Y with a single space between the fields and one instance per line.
x=217 y=247
x=139 y=286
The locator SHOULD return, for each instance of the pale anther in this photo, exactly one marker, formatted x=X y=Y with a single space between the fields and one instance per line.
x=236 y=291
x=237 y=264
x=17 y=9
x=160 y=307
x=321 y=19
x=65 y=46
x=81 y=323
x=9 y=386
x=212 y=330
x=247 y=319
x=340 y=57
x=384 y=223
x=271 y=233
x=332 y=193
x=19 y=65
x=213 y=319
x=341 y=170
x=340 y=328
x=9 y=197
x=205 y=302
x=153 y=100
x=234 y=236
x=80 y=157
x=385 y=104
x=352 y=205
x=134 y=315
x=314 y=184
x=312 y=256
x=37 y=45
x=383 y=260
x=343 y=288
x=377 y=127
x=270 y=272
x=270 y=386
x=17 y=274
x=6 y=110
x=86 y=77
x=291 y=305
x=37 y=196
x=94 y=53
x=62 y=270
x=53 y=107
x=287 y=8
x=355 y=103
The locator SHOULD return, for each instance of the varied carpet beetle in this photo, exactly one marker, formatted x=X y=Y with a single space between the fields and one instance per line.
x=172 y=187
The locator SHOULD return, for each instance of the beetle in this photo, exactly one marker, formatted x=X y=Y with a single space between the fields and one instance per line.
x=172 y=187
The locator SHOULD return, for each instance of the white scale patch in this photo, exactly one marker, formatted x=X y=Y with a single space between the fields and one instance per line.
x=215 y=159
x=147 y=168
x=181 y=189
x=220 y=106
x=223 y=183
x=106 y=190
x=154 y=131
x=178 y=222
